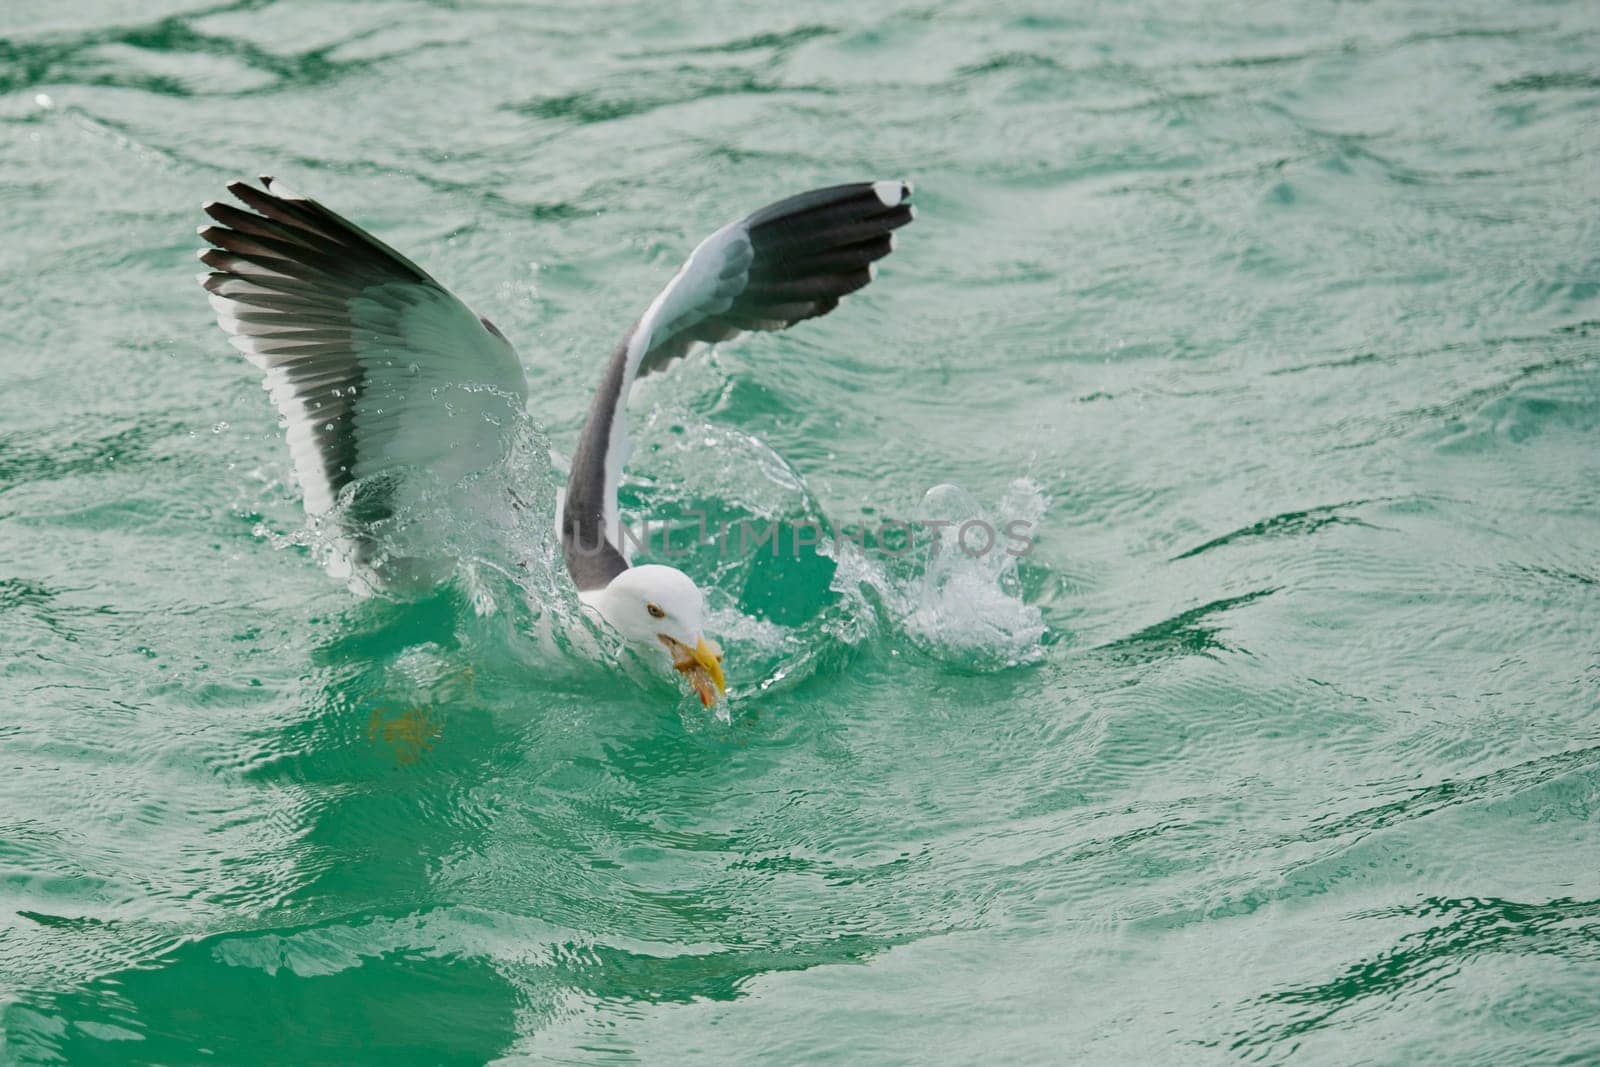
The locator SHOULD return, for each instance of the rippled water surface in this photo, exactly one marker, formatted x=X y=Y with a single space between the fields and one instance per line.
x=1281 y=321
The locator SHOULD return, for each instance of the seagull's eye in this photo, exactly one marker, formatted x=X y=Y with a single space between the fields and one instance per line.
x=655 y=611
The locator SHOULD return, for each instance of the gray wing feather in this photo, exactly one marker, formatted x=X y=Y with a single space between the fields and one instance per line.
x=373 y=364
x=790 y=261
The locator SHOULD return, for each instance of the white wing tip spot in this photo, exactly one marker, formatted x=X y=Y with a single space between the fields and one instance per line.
x=892 y=193
x=278 y=189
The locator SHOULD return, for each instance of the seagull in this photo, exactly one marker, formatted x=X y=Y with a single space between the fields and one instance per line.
x=378 y=371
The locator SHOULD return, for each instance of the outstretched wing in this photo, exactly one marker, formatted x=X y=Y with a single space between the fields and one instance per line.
x=374 y=366
x=789 y=261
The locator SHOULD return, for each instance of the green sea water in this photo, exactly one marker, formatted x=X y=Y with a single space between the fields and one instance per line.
x=1279 y=323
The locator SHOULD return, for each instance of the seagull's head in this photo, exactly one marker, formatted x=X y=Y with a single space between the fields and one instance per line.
x=660 y=610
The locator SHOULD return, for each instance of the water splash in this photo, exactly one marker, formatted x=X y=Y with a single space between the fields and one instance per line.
x=489 y=540
x=958 y=597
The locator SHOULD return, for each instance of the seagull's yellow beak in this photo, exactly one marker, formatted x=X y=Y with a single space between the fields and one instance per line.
x=702 y=664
